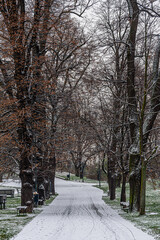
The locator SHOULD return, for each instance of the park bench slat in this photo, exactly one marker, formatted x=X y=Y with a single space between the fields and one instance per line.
x=7 y=191
x=22 y=209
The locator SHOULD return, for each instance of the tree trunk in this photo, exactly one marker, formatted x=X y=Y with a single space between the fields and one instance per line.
x=134 y=181
x=81 y=174
x=123 y=190
x=132 y=101
x=143 y=187
x=26 y=176
x=112 y=188
x=82 y=170
x=52 y=180
x=112 y=185
x=77 y=171
x=118 y=180
x=40 y=186
x=25 y=143
x=47 y=187
x=111 y=178
x=52 y=172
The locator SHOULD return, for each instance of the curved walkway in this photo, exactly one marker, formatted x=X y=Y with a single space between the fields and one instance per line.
x=79 y=213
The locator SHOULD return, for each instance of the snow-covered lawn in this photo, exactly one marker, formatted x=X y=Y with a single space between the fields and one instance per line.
x=79 y=213
x=150 y=222
x=11 y=183
x=10 y=223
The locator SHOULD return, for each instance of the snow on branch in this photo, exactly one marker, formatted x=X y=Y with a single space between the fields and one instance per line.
x=130 y=8
x=27 y=185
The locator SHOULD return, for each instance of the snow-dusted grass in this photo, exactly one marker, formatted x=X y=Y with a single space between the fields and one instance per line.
x=86 y=180
x=150 y=222
x=63 y=175
x=10 y=223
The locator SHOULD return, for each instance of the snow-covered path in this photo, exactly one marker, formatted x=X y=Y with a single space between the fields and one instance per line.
x=79 y=213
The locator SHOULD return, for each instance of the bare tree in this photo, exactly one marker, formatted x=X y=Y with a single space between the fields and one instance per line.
x=141 y=123
x=26 y=29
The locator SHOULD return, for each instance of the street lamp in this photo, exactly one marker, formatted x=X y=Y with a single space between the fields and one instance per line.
x=99 y=173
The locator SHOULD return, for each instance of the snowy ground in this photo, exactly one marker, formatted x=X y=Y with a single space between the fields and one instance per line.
x=79 y=213
x=11 y=183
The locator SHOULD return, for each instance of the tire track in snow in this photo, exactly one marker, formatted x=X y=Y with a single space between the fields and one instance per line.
x=100 y=215
x=79 y=213
x=64 y=216
x=104 y=222
x=93 y=222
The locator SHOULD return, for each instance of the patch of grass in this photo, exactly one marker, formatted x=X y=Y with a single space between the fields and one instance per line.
x=150 y=222
x=10 y=223
x=62 y=177
x=74 y=178
x=48 y=201
x=4 y=235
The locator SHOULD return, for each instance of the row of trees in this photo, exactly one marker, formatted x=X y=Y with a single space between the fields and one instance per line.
x=42 y=62
x=131 y=69
x=66 y=94
x=126 y=85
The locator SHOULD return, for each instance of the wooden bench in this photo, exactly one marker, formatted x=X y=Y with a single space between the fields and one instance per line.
x=3 y=199
x=7 y=191
x=125 y=206
x=21 y=210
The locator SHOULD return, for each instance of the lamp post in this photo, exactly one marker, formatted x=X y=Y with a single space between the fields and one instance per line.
x=35 y=172
x=99 y=173
x=36 y=178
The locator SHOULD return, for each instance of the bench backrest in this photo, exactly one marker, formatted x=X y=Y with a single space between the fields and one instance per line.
x=7 y=191
x=1 y=199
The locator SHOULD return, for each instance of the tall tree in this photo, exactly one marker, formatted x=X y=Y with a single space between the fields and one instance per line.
x=112 y=33
x=27 y=26
x=141 y=122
